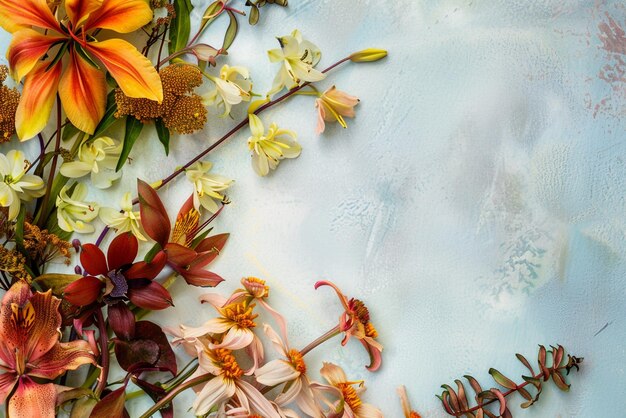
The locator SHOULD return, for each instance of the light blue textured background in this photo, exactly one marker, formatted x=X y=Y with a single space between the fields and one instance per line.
x=476 y=203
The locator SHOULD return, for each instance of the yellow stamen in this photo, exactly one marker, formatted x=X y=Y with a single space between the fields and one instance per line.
x=228 y=363
x=185 y=227
x=370 y=331
x=349 y=395
x=257 y=286
x=242 y=314
x=295 y=358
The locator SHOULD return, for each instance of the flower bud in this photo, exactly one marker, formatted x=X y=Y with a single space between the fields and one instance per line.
x=368 y=55
x=76 y=245
x=205 y=52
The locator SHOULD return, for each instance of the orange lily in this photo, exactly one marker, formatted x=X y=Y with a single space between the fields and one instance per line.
x=38 y=58
x=30 y=351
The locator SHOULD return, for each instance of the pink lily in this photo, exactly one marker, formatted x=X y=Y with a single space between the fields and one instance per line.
x=30 y=349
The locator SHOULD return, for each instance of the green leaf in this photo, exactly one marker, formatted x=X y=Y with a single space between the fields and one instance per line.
x=153 y=251
x=525 y=362
x=502 y=379
x=84 y=55
x=133 y=129
x=254 y=15
x=559 y=380
x=109 y=116
x=69 y=132
x=56 y=281
x=534 y=380
x=211 y=13
x=164 y=134
x=231 y=32
x=181 y=26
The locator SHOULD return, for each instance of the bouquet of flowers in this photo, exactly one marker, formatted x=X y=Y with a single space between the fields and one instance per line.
x=76 y=78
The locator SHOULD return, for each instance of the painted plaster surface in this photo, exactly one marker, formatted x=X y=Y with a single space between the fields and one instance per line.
x=476 y=204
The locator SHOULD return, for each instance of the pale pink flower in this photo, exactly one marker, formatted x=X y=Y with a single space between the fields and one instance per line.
x=349 y=404
x=406 y=405
x=233 y=329
x=227 y=385
x=291 y=369
x=355 y=322
x=332 y=106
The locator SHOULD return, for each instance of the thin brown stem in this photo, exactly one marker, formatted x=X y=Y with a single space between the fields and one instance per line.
x=323 y=338
x=505 y=394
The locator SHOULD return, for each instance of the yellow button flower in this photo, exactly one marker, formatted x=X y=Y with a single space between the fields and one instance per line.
x=268 y=149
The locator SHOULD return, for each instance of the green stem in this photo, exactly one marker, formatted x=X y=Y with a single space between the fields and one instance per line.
x=171 y=395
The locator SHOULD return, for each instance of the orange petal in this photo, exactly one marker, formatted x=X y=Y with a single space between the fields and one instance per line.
x=18 y=294
x=61 y=358
x=134 y=73
x=40 y=88
x=33 y=400
x=122 y=16
x=44 y=333
x=26 y=49
x=78 y=10
x=83 y=93
x=15 y=15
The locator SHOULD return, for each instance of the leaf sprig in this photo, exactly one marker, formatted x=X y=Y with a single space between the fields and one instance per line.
x=456 y=403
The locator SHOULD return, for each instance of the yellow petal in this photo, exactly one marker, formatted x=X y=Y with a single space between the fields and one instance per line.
x=134 y=73
x=26 y=49
x=78 y=10
x=122 y=16
x=40 y=88
x=83 y=93
x=15 y=15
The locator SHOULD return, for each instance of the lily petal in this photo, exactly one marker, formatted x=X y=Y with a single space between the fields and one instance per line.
x=83 y=93
x=134 y=73
x=78 y=10
x=61 y=358
x=43 y=334
x=122 y=16
x=26 y=49
x=7 y=382
x=33 y=400
x=15 y=15
x=40 y=87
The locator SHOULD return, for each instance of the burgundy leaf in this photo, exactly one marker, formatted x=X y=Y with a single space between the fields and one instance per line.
x=154 y=217
x=93 y=260
x=122 y=250
x=84 y=291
